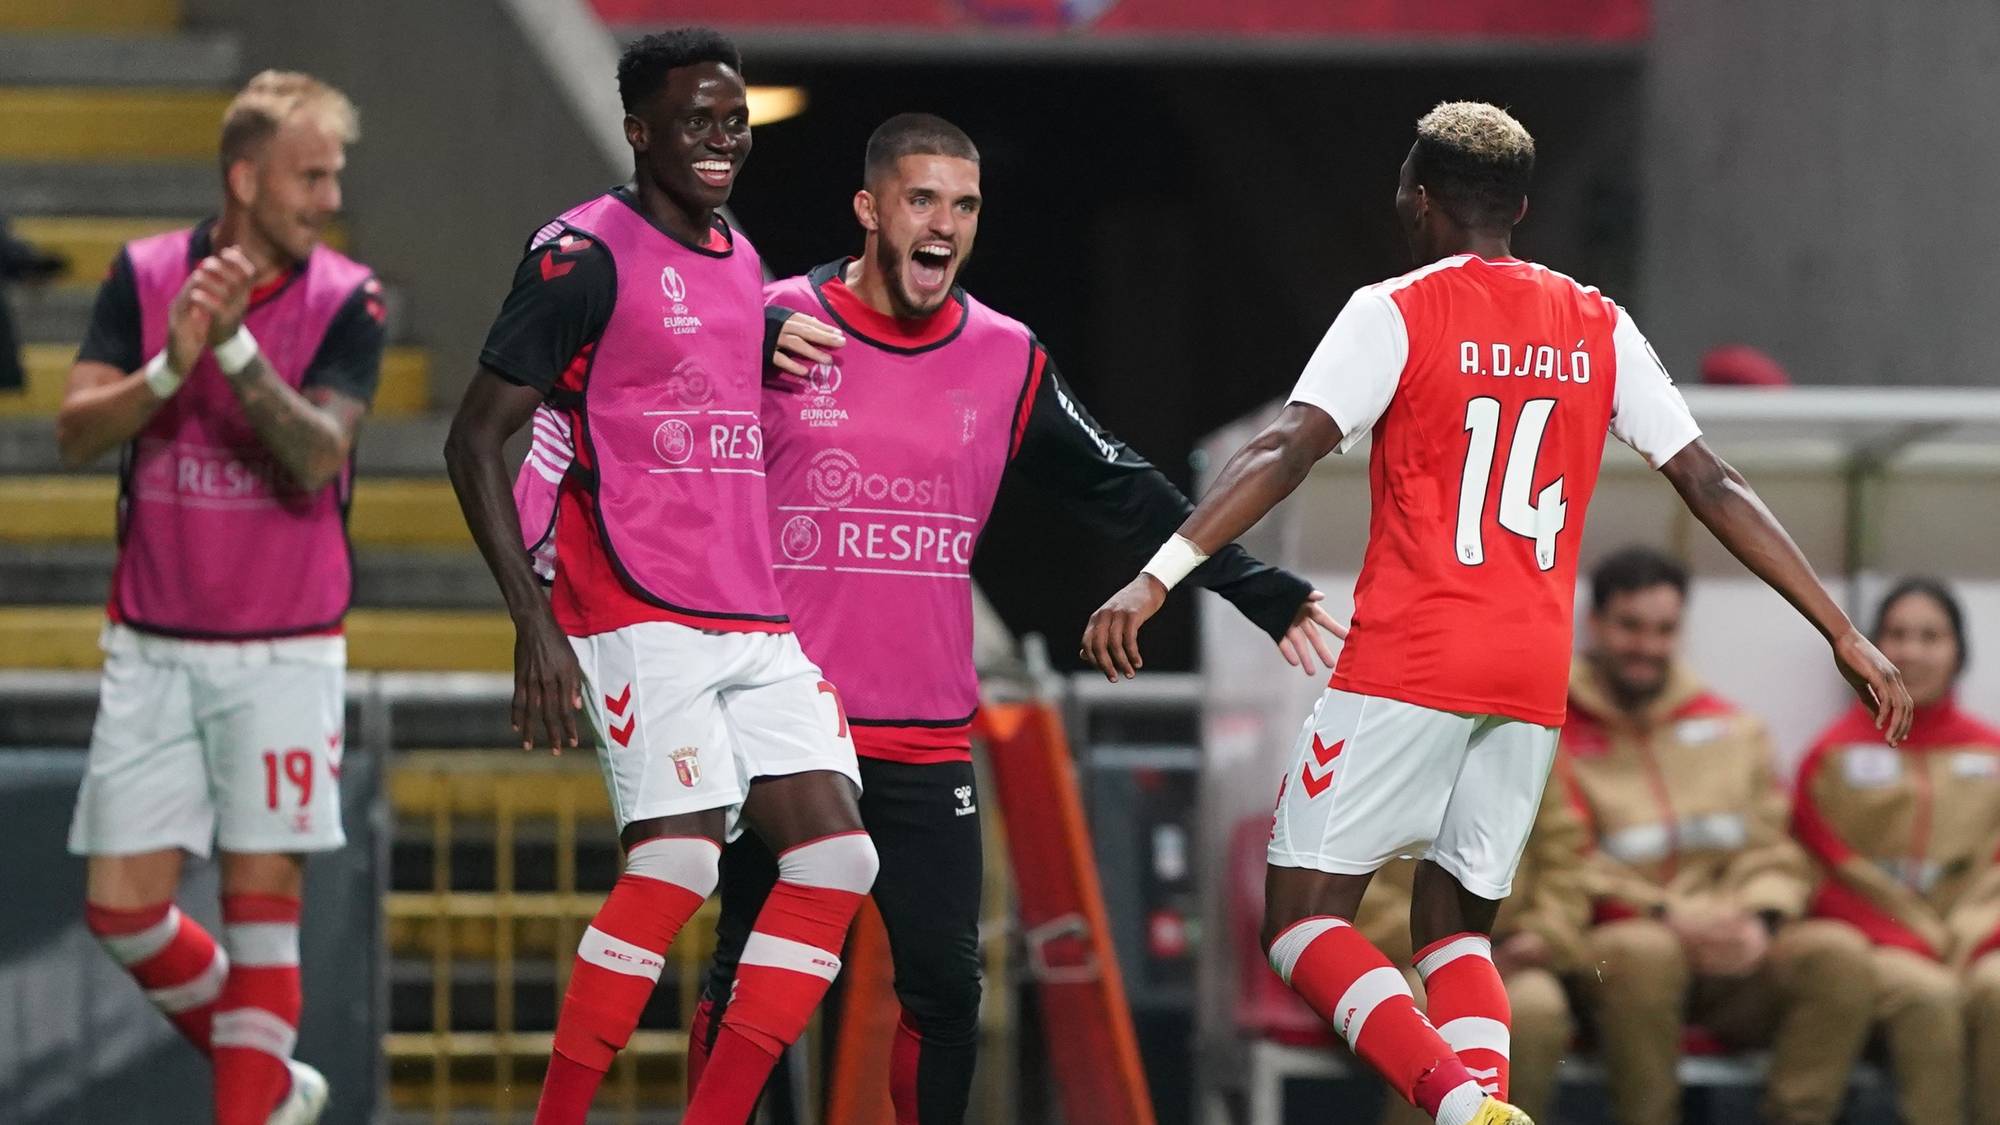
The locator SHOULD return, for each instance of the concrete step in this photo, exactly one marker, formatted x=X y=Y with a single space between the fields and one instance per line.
x=65 y=637
x=391 y=512
x=60 y=314
x=384 y=578
x=92 y=241
x=108 y=189
x=207 y=61
x=73 y=123
x=405 y=388
x=90 y=15
x=407 y=446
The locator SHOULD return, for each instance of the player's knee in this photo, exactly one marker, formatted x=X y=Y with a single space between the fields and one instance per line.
x=263 y=873
x=689 y=862
x=943 y=1008
x=843 y=862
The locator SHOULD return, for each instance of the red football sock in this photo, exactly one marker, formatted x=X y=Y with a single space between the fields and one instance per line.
x=1467 y=1003
x=617 y=964
x=790 y=959
x=1355 y=988
x=904 y=1056
x=256 y=1022
x=173 y=959
x=701 y=1033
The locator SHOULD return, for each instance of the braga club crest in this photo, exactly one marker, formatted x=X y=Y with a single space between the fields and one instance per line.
x=687 y=765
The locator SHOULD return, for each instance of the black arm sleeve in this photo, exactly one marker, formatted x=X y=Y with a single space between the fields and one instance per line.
x=561 y=301
x=775 y=317
x=349 y=359
x=1108 y=482
x=113 y=335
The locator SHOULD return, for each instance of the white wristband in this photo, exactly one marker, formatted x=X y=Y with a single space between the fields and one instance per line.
x=1172 y=562
x=160 y=376
x=235 y=353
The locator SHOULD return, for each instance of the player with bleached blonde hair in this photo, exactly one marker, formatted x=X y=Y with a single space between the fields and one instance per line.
x=232 y=362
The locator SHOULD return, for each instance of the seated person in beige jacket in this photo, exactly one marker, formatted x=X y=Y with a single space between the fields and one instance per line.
x=1696 y=886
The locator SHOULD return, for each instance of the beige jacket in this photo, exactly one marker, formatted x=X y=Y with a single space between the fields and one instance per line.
x=1681 y=802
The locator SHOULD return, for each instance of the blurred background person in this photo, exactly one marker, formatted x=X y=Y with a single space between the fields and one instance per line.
x=1537 y=937
x=1740 y=365
x=1905 y=839
x=233 y=362
x=20 y=263
x=1696 y=885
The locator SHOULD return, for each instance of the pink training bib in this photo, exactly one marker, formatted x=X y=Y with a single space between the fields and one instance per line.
x=214 y=540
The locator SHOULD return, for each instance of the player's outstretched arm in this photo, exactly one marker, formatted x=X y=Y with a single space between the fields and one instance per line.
x=1117 y=491
x=1261 y=474
x=1723 y=501
x=548 y=682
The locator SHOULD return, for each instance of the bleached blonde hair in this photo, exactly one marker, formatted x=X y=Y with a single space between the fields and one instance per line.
x=270 y=100
x=1478 y=159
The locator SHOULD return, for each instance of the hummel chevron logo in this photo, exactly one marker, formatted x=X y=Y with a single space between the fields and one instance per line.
x=615 y=709
x=1324 y=755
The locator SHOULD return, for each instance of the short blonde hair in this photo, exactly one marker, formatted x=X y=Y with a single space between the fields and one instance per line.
x=1477 y=159
x=272 y=99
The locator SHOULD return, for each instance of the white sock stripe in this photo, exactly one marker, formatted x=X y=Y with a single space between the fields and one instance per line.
x=784 y=953
x=620 y=956
x=1363 y=996
x=131 y=949
x=262 y=945
x=255 y=1029
x=1461 y=1104
x=1291 y=945
x=1471 y=945
x=1477 y=1033
x=1492 y=1072
x=840 y=863
x=688 y=863
x=203 y=989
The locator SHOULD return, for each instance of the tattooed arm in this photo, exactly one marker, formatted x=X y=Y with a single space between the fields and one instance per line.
x=310 y=432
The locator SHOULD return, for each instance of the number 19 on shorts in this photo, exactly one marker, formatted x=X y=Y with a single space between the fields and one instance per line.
x=1540 y=521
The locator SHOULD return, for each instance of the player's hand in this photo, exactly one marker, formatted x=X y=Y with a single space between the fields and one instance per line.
x=188 y=326
x=221 y=286
x=1878 y=682
x=1311 y=625
x=1111 y=639
x=548 y=686
x=803 y=341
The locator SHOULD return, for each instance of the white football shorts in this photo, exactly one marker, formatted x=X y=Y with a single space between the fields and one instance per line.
x=214 y=743
x=687 y=718
x=1372 y=779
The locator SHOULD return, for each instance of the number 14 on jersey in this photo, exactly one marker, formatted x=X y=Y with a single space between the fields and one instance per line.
x=1540 y=521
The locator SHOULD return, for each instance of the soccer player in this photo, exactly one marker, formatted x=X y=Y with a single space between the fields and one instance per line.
x=1490 y=383
x=639 y=316
x=232 y=362
x=885 y=461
